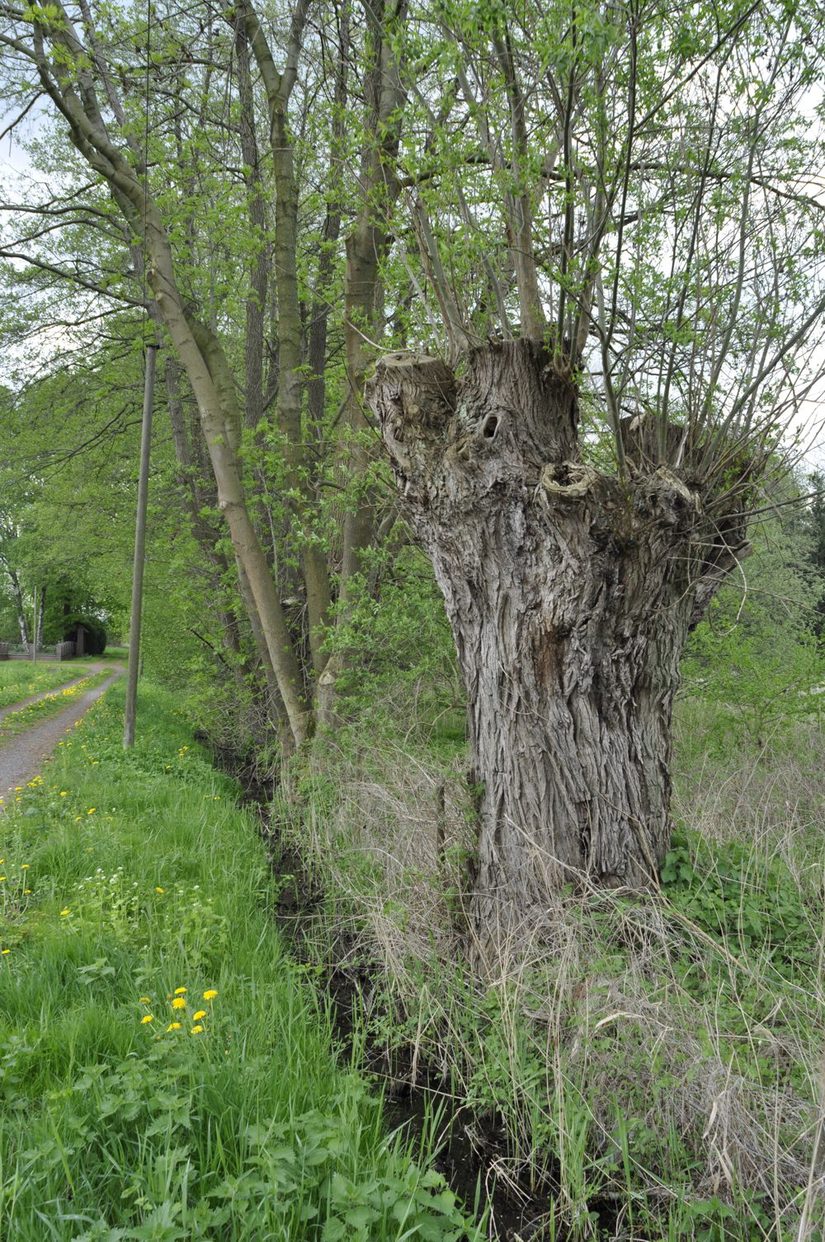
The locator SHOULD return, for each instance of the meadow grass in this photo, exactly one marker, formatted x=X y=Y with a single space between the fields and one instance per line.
x=166 y=1070
x=20 y=679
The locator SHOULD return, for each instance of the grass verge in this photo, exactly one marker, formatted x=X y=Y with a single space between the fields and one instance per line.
x=165 y=1069
x=20 y=680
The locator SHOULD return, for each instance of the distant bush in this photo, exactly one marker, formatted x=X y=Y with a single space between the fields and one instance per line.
x=95 y=641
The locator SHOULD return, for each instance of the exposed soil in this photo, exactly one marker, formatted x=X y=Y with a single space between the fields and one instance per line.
x=22 y=757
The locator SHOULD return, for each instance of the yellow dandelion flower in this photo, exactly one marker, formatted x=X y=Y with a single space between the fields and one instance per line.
x=25 y=866
x=196 y=1017
x=27 y=892
x=144 y=1000
x=197 y=1030
x=178 y=1003
x=64 y=793
x=180 y=991
x=147 y=1017
x=174 y=1026
x=64 y=912
x=210 y=994
x=5 y=951
x=91 y=810
x=158 y=889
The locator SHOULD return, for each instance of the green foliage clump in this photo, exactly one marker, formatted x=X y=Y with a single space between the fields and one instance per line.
x=743 y=898
x=756 y=657
x=95 y=637
x=406 y=666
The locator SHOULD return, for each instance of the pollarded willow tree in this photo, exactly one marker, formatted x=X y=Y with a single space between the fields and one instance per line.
x=620 y=255
x=595 y=223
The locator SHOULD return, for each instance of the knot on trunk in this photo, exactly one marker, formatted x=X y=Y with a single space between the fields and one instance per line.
x=569 y=480
x=648 y=442
x=413 y=396
x=665 y=497
x=507 y=415
x=513 y=387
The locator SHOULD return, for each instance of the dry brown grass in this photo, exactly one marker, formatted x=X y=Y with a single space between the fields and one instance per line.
x=608 y=1068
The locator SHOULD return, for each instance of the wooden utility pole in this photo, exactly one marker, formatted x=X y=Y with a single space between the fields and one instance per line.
x=140 y=543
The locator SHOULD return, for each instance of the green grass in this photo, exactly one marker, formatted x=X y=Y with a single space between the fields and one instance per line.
x=128 y=878
x=20 y=679
x=114 y=653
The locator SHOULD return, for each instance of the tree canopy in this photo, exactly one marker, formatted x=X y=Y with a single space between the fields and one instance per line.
x=586 y=241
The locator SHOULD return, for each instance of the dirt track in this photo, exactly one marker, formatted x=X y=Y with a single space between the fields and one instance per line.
x=43 y=694
x=22 y=757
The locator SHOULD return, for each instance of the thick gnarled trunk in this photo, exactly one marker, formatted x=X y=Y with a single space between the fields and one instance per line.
x=570 y=594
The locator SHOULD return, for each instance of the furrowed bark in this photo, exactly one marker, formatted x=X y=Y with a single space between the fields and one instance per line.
x=570 y=595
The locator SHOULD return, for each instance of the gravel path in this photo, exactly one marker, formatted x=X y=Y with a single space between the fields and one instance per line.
x=22 y=757
x=35 y=698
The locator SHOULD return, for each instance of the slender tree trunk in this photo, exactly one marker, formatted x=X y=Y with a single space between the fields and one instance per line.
x=198 y=496
x=256 y=214
x=291 y=377
x=366 y=247
x=208 y=375
x=65 y=77
x=570 y=597
x=20 y=608
x=41 y=612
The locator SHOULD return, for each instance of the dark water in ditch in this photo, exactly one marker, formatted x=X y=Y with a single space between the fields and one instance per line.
x=469 y=1146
